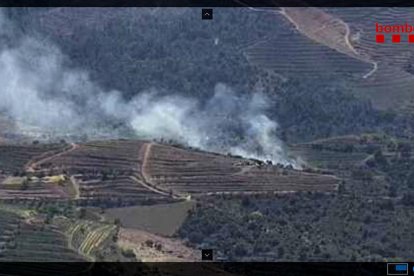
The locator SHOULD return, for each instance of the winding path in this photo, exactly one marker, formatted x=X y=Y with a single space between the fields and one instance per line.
x=349 y=50
x=31 y=166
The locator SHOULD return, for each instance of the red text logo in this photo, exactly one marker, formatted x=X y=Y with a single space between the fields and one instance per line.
x=394 y=33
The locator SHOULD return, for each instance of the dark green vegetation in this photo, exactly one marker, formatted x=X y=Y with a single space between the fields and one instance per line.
x=311 y=109
x=369 y=219
x=308 y=101
x=303 y=227
x=123 y=49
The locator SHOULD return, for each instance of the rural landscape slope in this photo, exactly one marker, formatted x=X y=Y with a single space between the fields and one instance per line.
x=51 y=180
x=129 y=179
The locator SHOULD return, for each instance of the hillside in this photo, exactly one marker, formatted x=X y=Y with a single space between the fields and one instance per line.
x=66 y=193
x=124 y=172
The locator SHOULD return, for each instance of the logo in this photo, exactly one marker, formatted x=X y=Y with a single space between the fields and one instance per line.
x=397 y=33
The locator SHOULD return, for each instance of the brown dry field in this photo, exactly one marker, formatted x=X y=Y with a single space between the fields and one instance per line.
x=197 y=173
x=168 y=171
x=141 y=172
x=162 y=219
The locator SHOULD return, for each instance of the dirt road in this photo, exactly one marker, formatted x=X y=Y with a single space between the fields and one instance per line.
x=31 y=166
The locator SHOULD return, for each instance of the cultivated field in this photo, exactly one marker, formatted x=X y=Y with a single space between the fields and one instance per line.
x=17 y=177
x=185 y=172
x=162 y=219
x=107 y=171
x=119 y=173
x=23 y=239
x=84 y=236
x=13 y=158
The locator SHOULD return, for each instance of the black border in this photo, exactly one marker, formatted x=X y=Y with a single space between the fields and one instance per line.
x=199 y=268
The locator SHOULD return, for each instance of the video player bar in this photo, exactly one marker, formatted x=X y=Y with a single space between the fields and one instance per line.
x=212 y=268
x=398 y=268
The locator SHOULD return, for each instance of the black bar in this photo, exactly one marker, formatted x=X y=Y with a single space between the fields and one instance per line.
x=206 y=3
x=201 y=268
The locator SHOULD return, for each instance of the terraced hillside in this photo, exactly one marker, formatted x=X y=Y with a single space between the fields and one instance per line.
x=344 y=152
x=187 y=172
x=342 y=43
x=103 y=156
x=333 y=153
x=357 y=159
x=127 y=188
x=125 y=172
x=13 y=158
x=22 y=239
x=27 y=188
x=84 y=236
x=105 y=171
x=48 y=235
x=17 y=178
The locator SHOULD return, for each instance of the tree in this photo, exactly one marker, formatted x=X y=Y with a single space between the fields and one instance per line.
x=128 y=253
x=410 y=180
x=380 y=159
x=408 y=199
x=82 y=213
x=117 y=222
x=245 y=201
x=158 y=246
x=405 y=150
x=280 y=252
x=241 y=249
x=196 y=237
x=25 y=183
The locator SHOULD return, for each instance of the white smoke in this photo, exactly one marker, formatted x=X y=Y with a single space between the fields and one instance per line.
x=226 y=123
x=38 y=89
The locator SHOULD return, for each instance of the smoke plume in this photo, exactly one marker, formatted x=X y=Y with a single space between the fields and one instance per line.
x=46 y=96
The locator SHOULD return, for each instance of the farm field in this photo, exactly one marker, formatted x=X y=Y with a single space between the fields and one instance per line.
x=162 y=219
x=85 y=236
x=102 y=200
x=23 y=239
x=135 y=191
x=51 y=187
x=118 y=173
x=195 y=173
x=13 y=158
